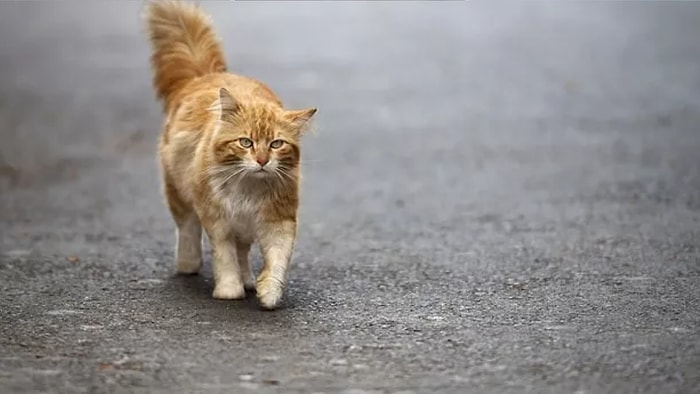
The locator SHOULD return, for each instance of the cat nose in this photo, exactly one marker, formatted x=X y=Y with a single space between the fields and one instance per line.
x=262 y=160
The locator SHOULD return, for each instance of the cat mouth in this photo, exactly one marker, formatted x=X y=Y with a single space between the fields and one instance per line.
x=259 y=172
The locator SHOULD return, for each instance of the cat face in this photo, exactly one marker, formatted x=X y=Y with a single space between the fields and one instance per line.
x=259 y=142
x=258 y=153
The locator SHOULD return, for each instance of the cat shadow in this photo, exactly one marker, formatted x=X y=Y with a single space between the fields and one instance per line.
x=301 y=297
x=198 y=289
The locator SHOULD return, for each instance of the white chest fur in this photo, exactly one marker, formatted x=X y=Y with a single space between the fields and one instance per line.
x=241 y=210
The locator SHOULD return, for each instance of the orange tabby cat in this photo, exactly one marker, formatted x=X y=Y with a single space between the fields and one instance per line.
x=229 y=153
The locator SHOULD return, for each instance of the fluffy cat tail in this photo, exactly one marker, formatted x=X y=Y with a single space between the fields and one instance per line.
x=184 y=46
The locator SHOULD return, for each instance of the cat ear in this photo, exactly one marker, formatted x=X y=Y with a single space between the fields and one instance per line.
x=227 y=103
x=300 y=118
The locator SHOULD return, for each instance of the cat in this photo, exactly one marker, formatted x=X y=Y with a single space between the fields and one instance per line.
x=229 y=154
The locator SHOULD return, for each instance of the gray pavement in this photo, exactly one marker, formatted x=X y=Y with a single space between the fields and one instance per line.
x=500 y=197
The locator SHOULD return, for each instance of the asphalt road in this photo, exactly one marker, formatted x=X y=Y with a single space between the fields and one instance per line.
x=498 y=198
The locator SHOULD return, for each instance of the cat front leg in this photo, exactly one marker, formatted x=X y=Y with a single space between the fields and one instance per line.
x=276 y=244
x=242 y=251
x=188 y=252
x=189 y=245
x=227 y=274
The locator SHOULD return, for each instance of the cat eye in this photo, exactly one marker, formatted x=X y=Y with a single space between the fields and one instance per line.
x=245 y=142
x=276 y=144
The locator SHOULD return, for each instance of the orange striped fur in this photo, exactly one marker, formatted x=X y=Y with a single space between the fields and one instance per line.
x=229 y=153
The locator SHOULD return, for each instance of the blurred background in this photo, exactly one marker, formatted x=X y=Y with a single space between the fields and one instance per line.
x=501 y=193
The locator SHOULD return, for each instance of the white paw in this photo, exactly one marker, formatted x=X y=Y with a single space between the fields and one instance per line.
x=229 y=291
x=269 y=293
x=188 y=266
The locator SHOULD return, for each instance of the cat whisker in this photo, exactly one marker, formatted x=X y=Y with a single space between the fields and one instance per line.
x=221 y=170
x=236 y=171
x=282 y=172
x=277 y=174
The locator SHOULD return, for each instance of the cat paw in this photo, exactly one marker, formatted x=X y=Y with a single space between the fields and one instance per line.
x=269 y=293
x=188 y=267
x=229 y=291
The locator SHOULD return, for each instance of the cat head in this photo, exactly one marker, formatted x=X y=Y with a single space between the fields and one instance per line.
x=258 y=140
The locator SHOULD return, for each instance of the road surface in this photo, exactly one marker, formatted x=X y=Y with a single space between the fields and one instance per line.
x=498 y=198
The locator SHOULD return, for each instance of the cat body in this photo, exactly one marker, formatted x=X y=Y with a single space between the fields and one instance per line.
x=230 y=157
